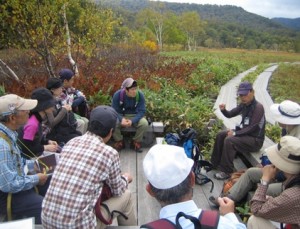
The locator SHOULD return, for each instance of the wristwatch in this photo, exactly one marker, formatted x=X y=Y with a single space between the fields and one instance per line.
x=263 y=182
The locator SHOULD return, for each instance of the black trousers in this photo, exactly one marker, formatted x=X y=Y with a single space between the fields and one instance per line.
x=26 y=204
x=225 y=149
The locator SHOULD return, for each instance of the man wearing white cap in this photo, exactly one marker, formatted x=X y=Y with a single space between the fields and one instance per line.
x=17 y=193
x=129 y=102
x=171 y=181
x=285 y=208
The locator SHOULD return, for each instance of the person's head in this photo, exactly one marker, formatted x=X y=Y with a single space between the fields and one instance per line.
x=46 y=102
x=169 y=173
x=67 y=77
x=285 y=155
x=14 y=110
x=55 y=86
x=245 y=92
x=286 y=113
x=130 y=85
x=102 y=121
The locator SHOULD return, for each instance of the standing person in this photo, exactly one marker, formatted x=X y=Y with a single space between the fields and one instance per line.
x=14 y=179
x=129 y=102
x=75 y=98
x=247 y=137
x=171 y=181
x=285 y=208
x=287 y=114
x=32 y=140
x=86 y=163
x=62 y=122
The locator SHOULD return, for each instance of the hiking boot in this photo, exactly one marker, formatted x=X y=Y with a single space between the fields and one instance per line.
x=221 y=176
x=119 y=145
x=136 y=146
x=214 y=201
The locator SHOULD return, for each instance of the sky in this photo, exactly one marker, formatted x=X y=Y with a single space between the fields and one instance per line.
x=265 y=8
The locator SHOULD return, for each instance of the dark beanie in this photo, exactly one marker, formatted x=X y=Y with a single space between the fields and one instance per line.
x=54 y=83
x=65 y=74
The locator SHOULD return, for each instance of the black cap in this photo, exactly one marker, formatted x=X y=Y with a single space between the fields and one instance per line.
x=66 y=74
x=44 y=97
x=54 y=83
x=105 y=115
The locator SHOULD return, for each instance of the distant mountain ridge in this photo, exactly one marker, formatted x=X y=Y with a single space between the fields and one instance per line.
x=226 y=25
x=289 y=23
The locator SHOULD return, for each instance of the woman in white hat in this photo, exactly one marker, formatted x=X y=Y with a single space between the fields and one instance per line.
x=287 y=114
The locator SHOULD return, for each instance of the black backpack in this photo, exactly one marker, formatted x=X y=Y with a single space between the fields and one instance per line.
x=207 y=220
x=188 y=140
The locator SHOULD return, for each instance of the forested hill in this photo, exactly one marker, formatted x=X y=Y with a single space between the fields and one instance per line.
x=222 y=14
x=289 y=23
x=219 y=26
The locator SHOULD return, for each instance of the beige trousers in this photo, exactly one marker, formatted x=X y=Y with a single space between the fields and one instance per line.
x=255 y=222
x=122 y=204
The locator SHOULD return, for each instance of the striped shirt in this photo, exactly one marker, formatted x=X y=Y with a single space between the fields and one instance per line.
x=85 y=163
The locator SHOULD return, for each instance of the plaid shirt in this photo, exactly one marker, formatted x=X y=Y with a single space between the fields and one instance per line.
x=85 y=163
x=284 y=208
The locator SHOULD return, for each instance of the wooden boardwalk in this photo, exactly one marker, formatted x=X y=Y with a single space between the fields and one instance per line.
x=147 y=208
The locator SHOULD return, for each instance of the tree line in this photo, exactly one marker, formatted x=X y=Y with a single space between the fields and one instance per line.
x=51 y=28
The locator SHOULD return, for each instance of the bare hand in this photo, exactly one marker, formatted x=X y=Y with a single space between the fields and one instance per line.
x=51 y=148
x=226 y=205
x=67 y=107
x=269 y=173
x=230 y=133
x=222 y=106
x=42 y=178
x=125 y=122
x=128 y=177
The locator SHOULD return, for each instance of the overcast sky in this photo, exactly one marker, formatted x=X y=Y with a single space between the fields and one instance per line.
x=266 y=8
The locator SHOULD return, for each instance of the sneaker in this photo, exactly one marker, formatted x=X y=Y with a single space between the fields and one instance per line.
x=119 y=145
x=214 y=201
x=221 y=176
x=137 y=146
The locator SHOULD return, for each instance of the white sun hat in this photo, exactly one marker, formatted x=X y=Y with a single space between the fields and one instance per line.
x=287 y=112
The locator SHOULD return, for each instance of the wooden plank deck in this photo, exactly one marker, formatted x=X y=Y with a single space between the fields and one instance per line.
x=147 y=208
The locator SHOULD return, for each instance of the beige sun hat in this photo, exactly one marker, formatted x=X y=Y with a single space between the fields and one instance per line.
x=286 y=155
x=11 y=103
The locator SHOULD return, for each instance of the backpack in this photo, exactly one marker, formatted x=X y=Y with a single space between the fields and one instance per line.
x=122 y=96
x=207 y=220
x=188 y=140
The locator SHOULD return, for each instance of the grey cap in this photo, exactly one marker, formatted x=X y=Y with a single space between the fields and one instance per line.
x=105 y=115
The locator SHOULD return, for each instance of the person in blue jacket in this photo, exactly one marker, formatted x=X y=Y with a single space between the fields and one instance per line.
x=129 y=102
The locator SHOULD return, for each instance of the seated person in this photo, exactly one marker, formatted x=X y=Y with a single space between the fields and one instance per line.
x=287 y=114
x=61 y=120
x=247 y=137
x=285 y=208
x=129 y=103
x=85 y=165
x=171 y=181
x=32 y=141
x=75 y=98
x=14 y=180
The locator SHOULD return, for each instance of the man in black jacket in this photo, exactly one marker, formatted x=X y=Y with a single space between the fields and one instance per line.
x=247 y=137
